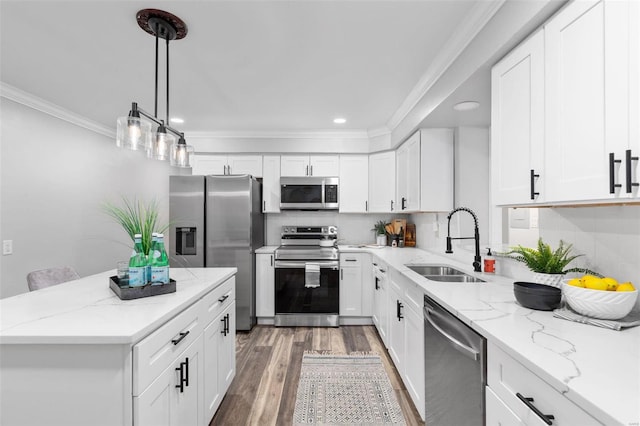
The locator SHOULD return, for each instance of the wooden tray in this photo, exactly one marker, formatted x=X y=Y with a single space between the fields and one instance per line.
x=128 y=293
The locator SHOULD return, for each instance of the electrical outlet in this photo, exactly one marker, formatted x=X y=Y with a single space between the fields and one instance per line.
x=7 y=247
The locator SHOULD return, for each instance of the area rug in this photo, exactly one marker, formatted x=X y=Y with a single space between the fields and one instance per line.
x=345 y=390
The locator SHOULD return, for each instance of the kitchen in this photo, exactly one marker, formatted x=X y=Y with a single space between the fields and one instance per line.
x=42 y=137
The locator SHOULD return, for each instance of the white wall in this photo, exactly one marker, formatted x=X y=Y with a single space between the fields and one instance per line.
x=54 y=178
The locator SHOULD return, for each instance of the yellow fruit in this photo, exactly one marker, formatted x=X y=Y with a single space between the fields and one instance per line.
x=595 y=283
x=587 y=277
x=625 y=287
x=611 y=283
x=575 y=282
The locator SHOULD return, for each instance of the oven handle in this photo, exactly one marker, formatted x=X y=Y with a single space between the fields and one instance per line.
x=301 y=264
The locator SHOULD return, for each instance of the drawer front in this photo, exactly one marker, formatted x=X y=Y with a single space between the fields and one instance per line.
x=414 y=297
x=158 y=350
x=498 y=414
x=351 y=260
x=506 y=377
x=218 y=300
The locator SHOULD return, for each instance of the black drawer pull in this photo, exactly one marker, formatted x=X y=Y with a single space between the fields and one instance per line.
x=404 y=201
x=612 y=174
x=179 y=339
x=399 y=310
x=547 y=418
x=533 y=176
x=351 y=260
x=181 y=384
x=186 y=371
x=377 y=283
x=223 y=298
x=628 y=159
x=391 y=205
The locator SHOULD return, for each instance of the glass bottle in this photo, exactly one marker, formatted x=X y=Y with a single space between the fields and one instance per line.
x=159 y=262
x=137 y=264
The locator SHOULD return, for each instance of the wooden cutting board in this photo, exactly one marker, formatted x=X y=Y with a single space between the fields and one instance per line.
x=399 y=224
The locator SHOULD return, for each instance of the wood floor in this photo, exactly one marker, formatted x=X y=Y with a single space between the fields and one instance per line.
x=268 y=362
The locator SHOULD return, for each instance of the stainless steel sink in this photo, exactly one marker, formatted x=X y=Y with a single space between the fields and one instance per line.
x=443 y=273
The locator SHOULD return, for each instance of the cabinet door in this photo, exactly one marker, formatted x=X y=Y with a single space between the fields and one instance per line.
x=382 y=182
x=634 y=99
x=517 y=129
x=294 y=165
x=414 y=357
x=402 y=159
x=497 y=412
x=212 y=393
x=350 y=289
x=271 y=184
x=324 y=165
x=384 y=314
x=170 y=400
x=205 y=164
x=436 y=170
x=586 y=111
x=227 y=349
x=354 y=183
x=408 y=174
x=265 y=285
x=245 y=165
x=396 y=327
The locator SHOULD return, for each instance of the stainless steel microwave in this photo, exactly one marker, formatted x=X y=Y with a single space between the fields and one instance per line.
x=309 y=193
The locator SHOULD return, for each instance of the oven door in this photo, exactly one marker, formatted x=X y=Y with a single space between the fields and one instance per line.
x=294 y=298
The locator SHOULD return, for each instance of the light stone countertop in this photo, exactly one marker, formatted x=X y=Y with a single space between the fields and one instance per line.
x=596 y=368
x=266 y=250
x=87 y=311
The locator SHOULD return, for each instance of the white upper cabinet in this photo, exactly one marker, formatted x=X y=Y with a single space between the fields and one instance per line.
x=382 y=182
x=436 y=170
x=206 y=164
x=517 y=124
x=354 y=183
x=310 y=165
x=271 y=184
x=408 y=174
x=587 y=101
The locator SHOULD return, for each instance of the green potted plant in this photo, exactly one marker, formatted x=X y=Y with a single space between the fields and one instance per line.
x=548 y=265
x=381 y=232
x=137 y=217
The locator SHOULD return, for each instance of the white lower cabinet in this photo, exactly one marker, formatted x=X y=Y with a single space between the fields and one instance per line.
x=355 y=290
x=522 y=393
x=175 y=397
x=265 y=286
x=380 y=311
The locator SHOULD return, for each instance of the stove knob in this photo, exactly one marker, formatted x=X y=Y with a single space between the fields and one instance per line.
x=332 y=230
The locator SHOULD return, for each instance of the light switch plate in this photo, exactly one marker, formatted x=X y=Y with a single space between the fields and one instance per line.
x=7 y=247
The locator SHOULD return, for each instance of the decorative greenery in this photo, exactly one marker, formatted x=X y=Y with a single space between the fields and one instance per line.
x=136 y=217
x=545 y=260
x=380 y=227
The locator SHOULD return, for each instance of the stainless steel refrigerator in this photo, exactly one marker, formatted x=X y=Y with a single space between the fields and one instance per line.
x=217 y=221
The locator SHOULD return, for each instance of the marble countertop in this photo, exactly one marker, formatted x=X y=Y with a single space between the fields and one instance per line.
x=596 y=368
x=87 y=311
x=266 y=250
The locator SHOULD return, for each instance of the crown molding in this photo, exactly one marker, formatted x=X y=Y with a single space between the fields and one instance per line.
x=378 y=131
x=473 y=22
x=283 y=134
x=27 y=99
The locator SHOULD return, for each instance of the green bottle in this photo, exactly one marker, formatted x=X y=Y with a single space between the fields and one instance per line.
x=137 y=264
x=152 y=248
x=159 y=262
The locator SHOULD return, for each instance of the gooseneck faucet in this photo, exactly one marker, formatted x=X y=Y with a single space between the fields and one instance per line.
x=476 y=236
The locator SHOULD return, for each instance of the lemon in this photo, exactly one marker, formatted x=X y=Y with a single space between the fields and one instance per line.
x=625 y=287
x=575 y=282
x=611 y=283
x=594 y=283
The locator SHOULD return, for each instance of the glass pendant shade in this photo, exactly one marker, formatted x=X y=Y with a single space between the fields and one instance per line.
x=180 y=154
x=160 y=143
x=133 y=133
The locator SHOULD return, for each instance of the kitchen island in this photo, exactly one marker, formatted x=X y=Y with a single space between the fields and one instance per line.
x=596 y=369
x=75 y=354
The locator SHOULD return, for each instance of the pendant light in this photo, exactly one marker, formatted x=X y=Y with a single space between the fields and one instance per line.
x=135 y=133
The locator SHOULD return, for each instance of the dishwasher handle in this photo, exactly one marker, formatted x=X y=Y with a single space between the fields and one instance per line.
x=466 y=350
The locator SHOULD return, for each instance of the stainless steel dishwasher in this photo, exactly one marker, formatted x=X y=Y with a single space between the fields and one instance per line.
x=455 y=369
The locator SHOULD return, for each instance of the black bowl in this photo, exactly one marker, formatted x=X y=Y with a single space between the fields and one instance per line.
x=537 y=296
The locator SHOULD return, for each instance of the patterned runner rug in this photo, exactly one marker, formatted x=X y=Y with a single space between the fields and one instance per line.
x=345 y=390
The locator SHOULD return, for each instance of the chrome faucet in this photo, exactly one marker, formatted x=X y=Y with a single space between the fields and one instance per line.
x=476 y=236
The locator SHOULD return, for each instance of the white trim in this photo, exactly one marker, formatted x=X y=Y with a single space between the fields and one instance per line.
x=27 y=99
x=473 y=22
x=280 y=134
x=378 y=131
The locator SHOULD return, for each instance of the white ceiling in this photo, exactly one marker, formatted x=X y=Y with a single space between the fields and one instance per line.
x=244 y=66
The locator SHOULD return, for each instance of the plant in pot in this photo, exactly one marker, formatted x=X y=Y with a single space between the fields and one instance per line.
x=548 y=265
x=381 y=232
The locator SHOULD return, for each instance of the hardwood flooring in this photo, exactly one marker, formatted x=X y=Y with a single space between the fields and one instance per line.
x=268 y=361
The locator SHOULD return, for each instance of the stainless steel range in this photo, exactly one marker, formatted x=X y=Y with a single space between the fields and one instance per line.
x=307 y=277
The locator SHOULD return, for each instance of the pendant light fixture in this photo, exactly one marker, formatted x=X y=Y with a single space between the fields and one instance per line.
x=135 y=133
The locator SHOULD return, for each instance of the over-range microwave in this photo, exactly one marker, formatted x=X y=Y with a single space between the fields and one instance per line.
x=309 y=193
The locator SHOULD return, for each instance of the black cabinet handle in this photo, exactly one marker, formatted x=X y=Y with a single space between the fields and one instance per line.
x=533 y=177
x=547 y=418
x=374 y=264
x=264 y=205
x=224 y=326
x=377 y=283
x=181 y=383
x=186 y=371
x=307 y=171
x=351 y=260
x=399 y=310
x=612 y=174
x=404 y=200
x=391 y=205
x=227 y=323
x=311 y=172
x=341 y=274
x=366 y=206
x=223 y=298
x=628 y=159
x=179 y=339
x=271 y=260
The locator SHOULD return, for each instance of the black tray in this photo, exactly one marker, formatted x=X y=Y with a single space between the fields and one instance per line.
x=128 y=293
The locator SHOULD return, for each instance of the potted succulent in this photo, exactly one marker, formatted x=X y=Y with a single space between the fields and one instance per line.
x=381 y=232
x=549 y=266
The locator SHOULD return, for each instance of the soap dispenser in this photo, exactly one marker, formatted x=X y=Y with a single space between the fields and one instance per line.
x=489 y=262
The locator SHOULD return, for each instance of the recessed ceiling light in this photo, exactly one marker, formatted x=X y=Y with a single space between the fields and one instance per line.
x=466 y=106
x=177 y=120
x=339 y=120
